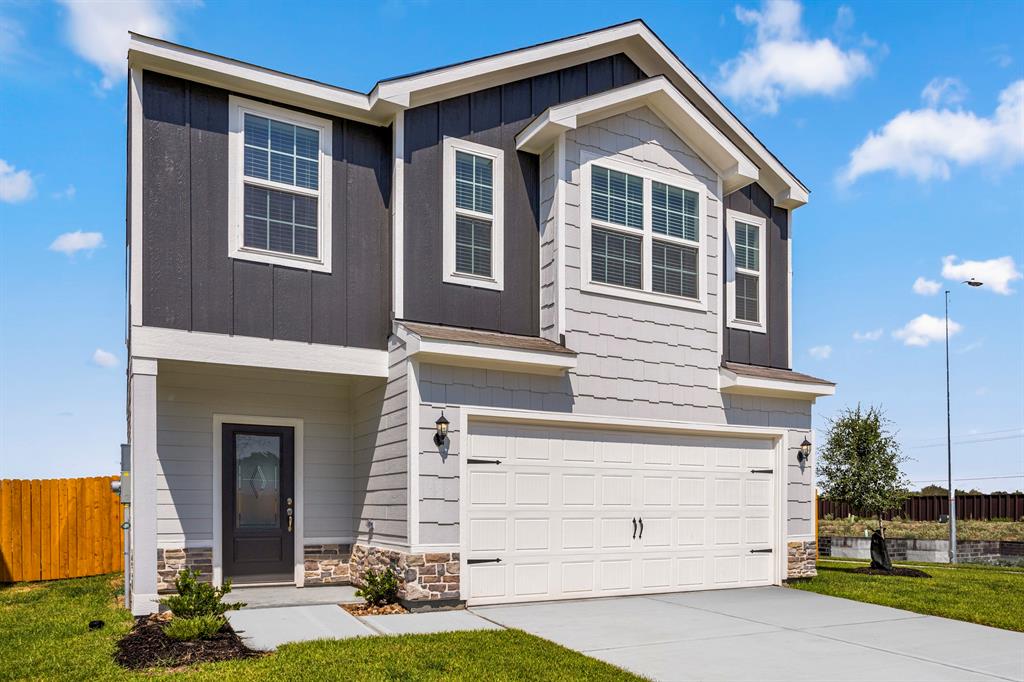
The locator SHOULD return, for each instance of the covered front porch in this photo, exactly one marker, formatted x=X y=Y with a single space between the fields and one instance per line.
x=260 y=475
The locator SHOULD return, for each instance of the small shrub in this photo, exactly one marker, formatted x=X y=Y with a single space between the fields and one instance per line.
x=200 y=627
x=380 y=588
x=195 y=599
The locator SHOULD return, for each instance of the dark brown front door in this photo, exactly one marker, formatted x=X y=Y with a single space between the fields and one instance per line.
x=258 y=477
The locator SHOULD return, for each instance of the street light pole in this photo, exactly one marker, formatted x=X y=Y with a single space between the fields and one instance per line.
x=949 y=441
x=949 y=453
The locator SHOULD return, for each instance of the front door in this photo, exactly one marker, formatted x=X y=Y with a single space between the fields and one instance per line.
x=258 y=477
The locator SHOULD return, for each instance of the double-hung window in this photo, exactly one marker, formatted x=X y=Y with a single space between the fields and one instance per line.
x=280 y=179
x=473 y=214
x=642 y=233
x=746 y=275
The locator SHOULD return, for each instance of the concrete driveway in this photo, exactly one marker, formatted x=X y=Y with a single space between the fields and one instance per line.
x=769 y=633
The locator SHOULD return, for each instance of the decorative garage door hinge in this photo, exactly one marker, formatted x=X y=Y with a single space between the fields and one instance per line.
x=761 y=551
x=762 y=471
x=473 y=460
x=483 y=561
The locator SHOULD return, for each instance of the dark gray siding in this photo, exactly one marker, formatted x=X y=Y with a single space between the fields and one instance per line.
x=492 y=117
x=188 y=280
x=770 y=349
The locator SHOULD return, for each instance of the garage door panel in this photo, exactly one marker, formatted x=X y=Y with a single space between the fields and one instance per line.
x=531 y=534
x=559 y=514
x=532 y=489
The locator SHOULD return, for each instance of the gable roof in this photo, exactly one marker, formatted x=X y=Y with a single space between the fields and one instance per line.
x=634 y=39
x=668 y=104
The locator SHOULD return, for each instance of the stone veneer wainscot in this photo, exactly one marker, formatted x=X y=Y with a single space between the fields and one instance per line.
x=424 y=578
x=801 y=559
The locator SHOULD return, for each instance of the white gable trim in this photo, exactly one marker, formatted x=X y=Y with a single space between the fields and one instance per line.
x=668 y=103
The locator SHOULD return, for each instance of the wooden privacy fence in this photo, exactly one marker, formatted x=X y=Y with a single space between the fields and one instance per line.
x=59 y=528
x=930 y=507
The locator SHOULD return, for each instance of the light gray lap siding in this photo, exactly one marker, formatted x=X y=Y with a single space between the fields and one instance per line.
x=188 y=280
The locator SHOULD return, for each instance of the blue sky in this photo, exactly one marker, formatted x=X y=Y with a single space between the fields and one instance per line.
x=908 y=129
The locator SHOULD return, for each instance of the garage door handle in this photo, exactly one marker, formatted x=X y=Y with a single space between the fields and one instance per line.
x=634 y=528
x=483 y=561
x=761 y=551
x=641 y=528
x=471 y=460
x=762 y=471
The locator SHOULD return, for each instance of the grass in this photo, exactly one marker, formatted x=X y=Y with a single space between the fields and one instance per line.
x=925 y=530
x=977 y=594
x=45 y=636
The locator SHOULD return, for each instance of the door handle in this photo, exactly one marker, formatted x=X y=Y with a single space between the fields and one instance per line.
x=634 y=528
x=291 y=515
x=641 y=528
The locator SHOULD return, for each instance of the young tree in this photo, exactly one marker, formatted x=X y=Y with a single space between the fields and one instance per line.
x=860 y=462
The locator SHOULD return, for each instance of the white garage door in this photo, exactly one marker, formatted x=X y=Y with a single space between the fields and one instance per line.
x=555 y=513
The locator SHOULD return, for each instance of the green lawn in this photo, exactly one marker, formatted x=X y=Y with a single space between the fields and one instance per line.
x=977 y=594
x=45 y=637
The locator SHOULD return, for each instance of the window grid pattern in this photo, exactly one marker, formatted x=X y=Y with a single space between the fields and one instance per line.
x=616 y=258
x=280 y=221
x=617 y=197
x=674 y=270
x=472 y=246
x=747 y=303
x=281 y=152
x=748 y=255
x=474 y=198
x=675 y=211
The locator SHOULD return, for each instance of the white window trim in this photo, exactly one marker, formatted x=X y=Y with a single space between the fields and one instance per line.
x=731 y=218
x=646 y=293
x=497 y=279
x=238 y=107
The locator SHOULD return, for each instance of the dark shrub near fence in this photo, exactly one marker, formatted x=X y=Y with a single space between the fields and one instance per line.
x=930 y=507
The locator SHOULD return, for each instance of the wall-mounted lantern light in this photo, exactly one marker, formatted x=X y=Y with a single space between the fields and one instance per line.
x=442 y=430
x=805 y=451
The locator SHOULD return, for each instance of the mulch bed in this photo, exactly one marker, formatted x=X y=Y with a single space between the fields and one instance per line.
x=901 y=572
x=367 y=610
x=146 y=646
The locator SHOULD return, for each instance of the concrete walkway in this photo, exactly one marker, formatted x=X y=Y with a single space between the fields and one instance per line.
x=287 y=595
x=769 y=633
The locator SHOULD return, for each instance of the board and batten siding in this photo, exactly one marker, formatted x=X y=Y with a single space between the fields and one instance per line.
x=188 y=280
x=770 y=348
x=491 y=117
x=188 y=397
x=636 y=359
x=380 y=437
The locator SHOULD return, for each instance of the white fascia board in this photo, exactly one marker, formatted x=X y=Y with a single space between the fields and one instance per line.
x=662 y=97
x=176 y=60
x=248 y=351
x=731 y=382
x=438 y=352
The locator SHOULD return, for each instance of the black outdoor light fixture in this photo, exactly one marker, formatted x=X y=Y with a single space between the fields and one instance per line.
x=442 y=430
x=805 y=451
x=973 y=282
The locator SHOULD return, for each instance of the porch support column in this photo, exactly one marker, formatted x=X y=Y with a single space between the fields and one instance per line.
x=142 y=434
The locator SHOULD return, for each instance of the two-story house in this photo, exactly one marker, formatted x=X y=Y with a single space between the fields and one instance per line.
x=572 y=252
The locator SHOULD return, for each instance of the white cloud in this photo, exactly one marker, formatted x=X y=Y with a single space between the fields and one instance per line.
x=926 y=287
x=925 y=143
x=11 y=36
x=821 y=352
x=104 y=358
x=924 y=329
x=15 y=185
x=948 y=91
x=66 y=193
x=71 y=243
x=872 y=335
x=995 y=273
x=98 y=31
x=972 y=346
x=784 y=62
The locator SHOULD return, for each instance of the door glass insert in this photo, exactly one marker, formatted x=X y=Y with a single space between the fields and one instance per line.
x=257 y=481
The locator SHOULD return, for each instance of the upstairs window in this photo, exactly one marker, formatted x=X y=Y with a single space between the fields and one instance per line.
x=473 y=221
x=280 y=186
x=746 y=276
x=642 y=233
